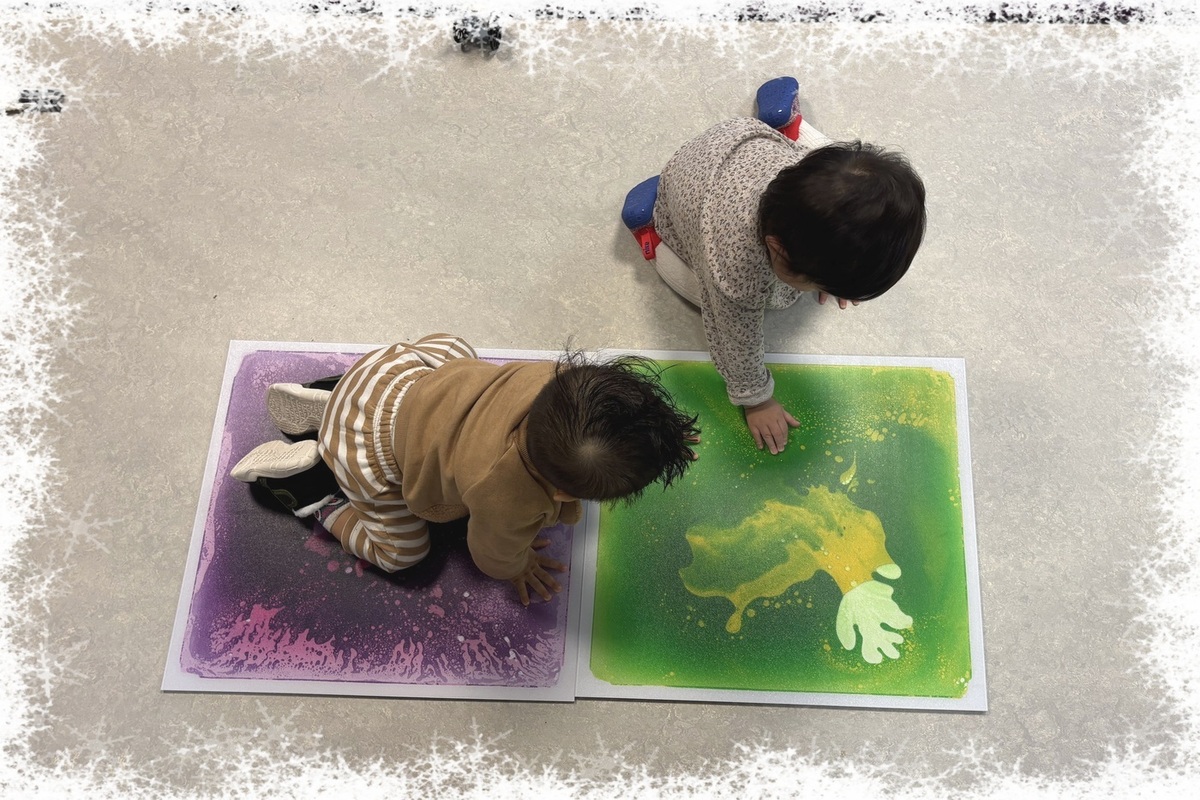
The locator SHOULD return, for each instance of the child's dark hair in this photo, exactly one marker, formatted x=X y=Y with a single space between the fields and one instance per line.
x=850 y=217
x=606 y=431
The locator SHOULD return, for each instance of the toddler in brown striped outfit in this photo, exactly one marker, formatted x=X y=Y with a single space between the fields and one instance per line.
x=428 y=432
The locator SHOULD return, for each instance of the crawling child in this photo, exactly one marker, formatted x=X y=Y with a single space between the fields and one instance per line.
x=427 y=432
x=750 y=219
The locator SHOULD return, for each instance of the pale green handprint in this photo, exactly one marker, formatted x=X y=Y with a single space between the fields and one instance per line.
x=868 y=607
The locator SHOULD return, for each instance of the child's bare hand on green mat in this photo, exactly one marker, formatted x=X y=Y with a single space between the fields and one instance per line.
x=693 y=440
x=823 y=296
x=769 y=423
x=536 y=577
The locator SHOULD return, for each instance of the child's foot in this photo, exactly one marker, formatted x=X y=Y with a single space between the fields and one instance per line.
x=293 y=473
x=638 y=215
x=276 y=460
x=777 y=106
x=296 y=409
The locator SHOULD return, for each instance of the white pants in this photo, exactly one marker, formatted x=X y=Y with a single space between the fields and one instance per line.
x=677 y=274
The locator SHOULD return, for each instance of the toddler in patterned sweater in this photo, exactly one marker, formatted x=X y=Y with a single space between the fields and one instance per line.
x=749 y=219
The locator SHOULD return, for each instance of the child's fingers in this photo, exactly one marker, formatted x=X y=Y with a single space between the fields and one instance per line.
x=765 y=437
x=758 y=439
x=842 y=302
x=522 y=593
x=533 y=581
x=550 y=563
x=538 y=544
x=781 y=434
x=792 y=421
x=548 y=579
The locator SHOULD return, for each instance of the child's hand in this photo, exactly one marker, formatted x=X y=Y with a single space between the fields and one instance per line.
x=823 y=296
x=536 y=577
x=769 y=423
x=693 y=440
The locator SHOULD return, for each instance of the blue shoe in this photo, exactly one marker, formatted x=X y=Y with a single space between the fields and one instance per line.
x=776 y=101
x=638 y=215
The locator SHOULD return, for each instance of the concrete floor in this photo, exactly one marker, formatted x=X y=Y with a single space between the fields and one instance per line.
x=313 y=199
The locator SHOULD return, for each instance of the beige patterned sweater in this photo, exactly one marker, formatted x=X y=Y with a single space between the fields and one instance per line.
x=707 y=213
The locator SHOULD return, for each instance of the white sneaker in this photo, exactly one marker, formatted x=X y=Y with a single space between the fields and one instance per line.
x=276 y=459
x=296 y=409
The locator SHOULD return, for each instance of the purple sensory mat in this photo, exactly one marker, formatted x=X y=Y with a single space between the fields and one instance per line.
x=271 y=603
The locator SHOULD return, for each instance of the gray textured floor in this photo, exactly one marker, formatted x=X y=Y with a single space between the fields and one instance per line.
x=266 y=200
